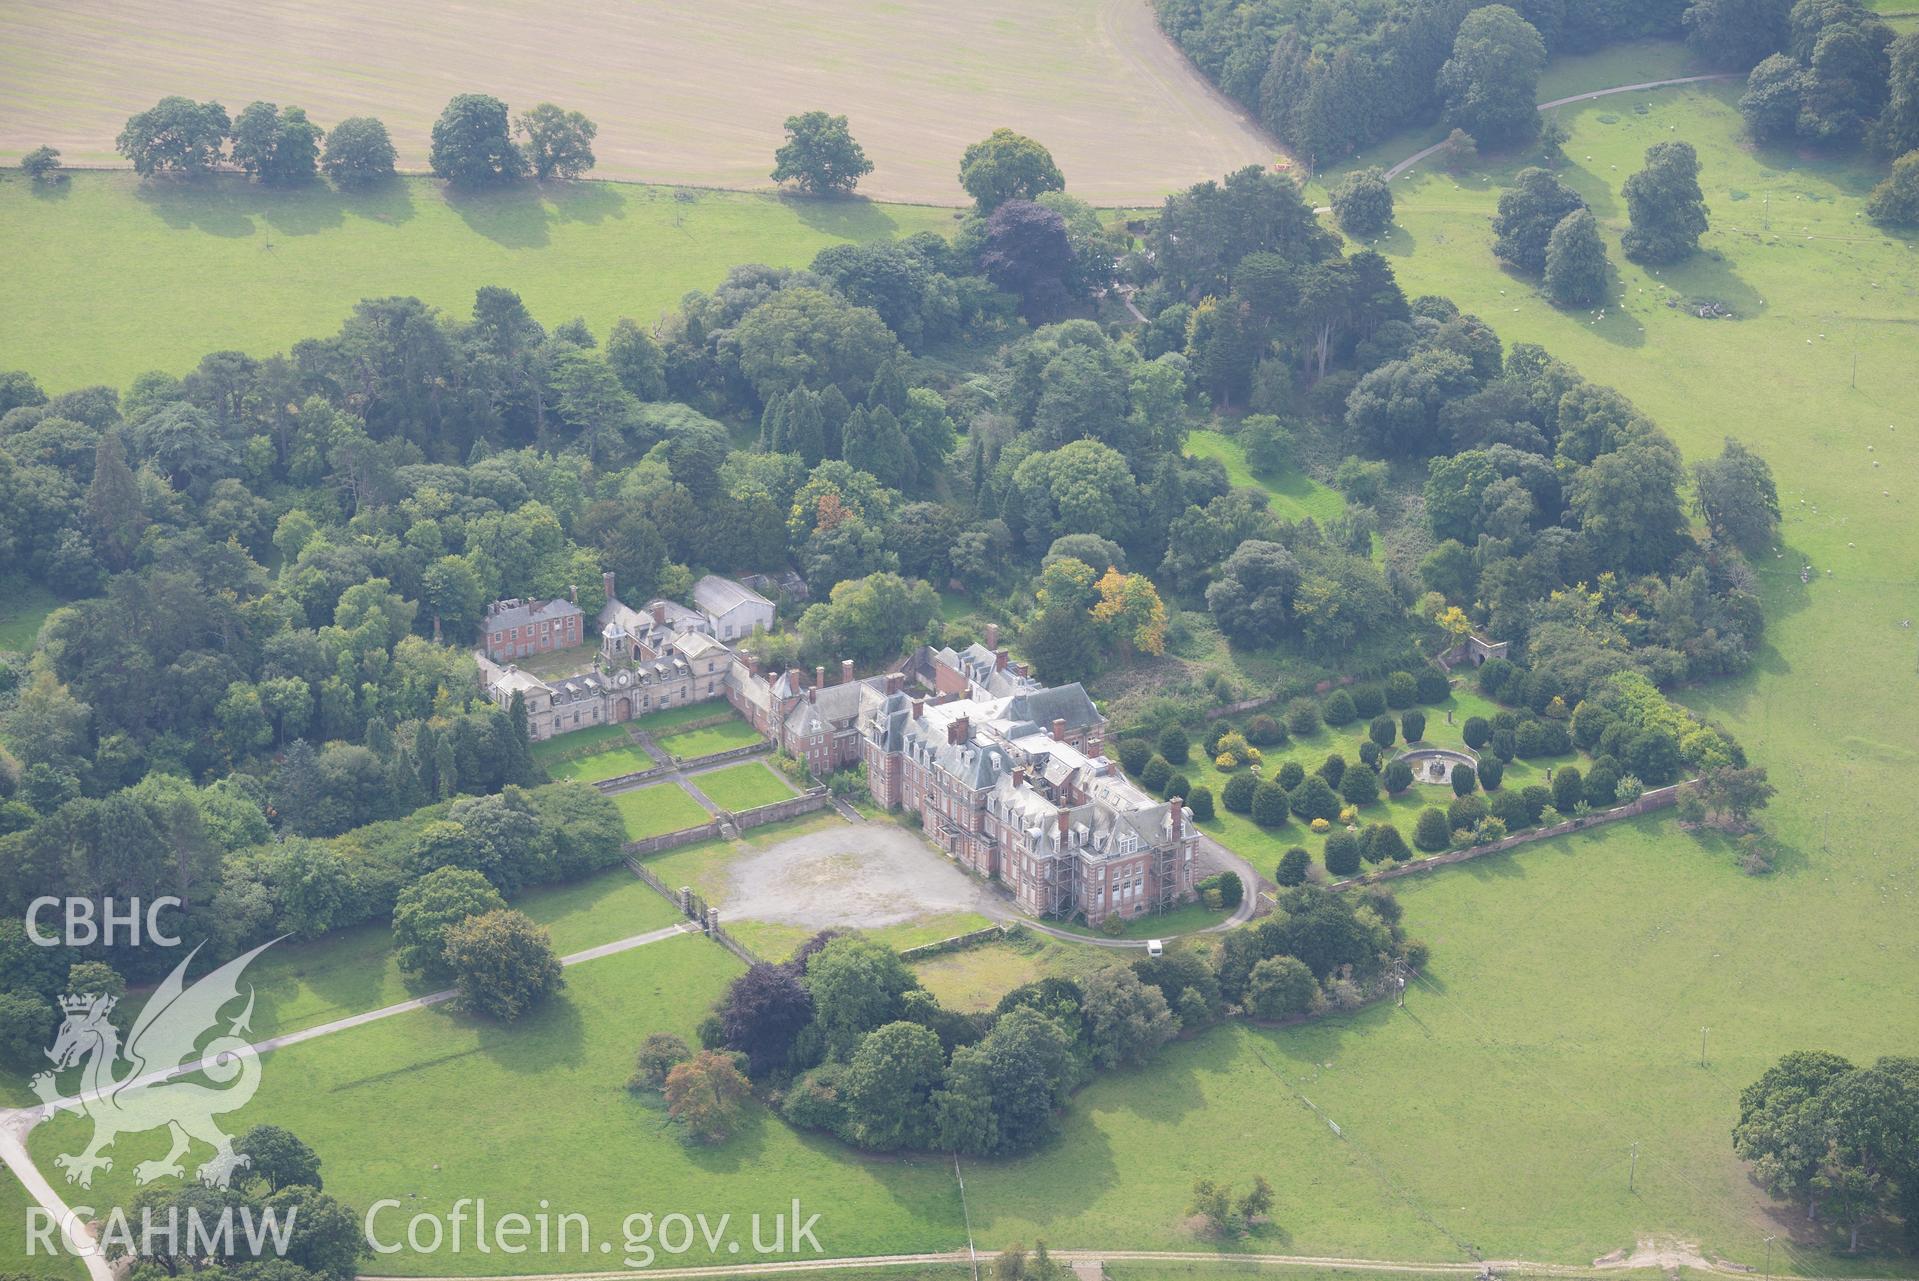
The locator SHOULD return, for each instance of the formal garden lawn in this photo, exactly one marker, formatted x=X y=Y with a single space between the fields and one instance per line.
x=668 y=719
x=579 y=742
x=1185 y=919
x=724 y=737
x=612 y=762
x=431 y=1106
x=659 y=808
x=744 y=786
x=114 y=260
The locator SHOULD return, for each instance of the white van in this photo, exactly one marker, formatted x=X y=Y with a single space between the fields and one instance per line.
x=1155 y=948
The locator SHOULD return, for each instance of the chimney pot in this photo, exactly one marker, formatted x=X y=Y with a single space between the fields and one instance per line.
x=813 y=695
x=895 y=681
x=1177 y=812
x=992 y=636
x=956 y=730
x=999 y=660
x=846 y=671
x=819 y=677
x=1059 y=729
x=659 y=612
x=606 y=581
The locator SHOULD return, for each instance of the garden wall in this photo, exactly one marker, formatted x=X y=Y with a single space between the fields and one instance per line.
x=621 y=782
x=673 y=840
x=959 y=942
x=721 y=758
x=1657 y=799
x=806 y=803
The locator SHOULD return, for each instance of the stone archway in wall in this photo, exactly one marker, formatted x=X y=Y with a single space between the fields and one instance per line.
x=623 y=709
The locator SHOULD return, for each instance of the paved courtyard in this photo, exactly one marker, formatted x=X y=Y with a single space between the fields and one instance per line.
x=860 y=875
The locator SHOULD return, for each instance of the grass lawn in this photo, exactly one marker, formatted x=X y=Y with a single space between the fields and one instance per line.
x=662 y=807
x=431 y=1106
x=592 y=738
x=668 y=719
x=777 y=942
x=1169 y=924
x=611 y=763
x=975 y=978
x=261 y=270
x=744 y=786
x=1294 y=495
x=23 y=607
x=693 y=743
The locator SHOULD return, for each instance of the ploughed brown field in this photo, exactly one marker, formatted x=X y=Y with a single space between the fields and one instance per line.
x=691 y=93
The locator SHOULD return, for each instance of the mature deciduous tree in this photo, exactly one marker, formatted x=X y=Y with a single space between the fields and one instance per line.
x=1667 y=209
x=559 y=143
x=503 y=964
x=175 y=135
x=1492 y=80
x=1007 y=166
x=820 y=155
x=472 y=146
x=1576 y=265
x=358 y=153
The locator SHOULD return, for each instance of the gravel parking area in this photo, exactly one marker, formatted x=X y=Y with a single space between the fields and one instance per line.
x=862 y=875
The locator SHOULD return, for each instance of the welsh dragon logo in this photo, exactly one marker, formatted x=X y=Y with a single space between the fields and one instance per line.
x=162 y=1048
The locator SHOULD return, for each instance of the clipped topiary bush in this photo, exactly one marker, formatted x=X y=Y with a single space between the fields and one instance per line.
x=1154 y=776
x=1432 y=832
x=1568 y=788
x=1293 y=866
x=1398 y=776
x=1237 y=795
x=1200 y=801
x=1359 y=786
x=1412 y=726
x=1342 y=853
x=1464 y=780
x=1465 y=812
x=1332 y=769
x=1302 y=716
x=1383 y=844
x=1477 y=731
x=1493 y=675
x=1314 y=798
x=1264 y=731
x=1369 y=753
x=1174 y=745
x=1434 y=685
x=1510 y=809
x=1536 y=799
x=1601 y=783
x=1176 y=785
x=1133 y=755
x=1291 y=774
x=1401 y=690
x=1368 y=701
x=1338 y=708
x=1270 y=804
x=1383 y=731
x=1491 y=771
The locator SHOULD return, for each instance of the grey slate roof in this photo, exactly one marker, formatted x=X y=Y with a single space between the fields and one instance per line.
x=518 y=613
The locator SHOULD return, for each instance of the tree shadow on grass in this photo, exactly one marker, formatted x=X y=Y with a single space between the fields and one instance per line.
x=389 y=202
x=58 y=187
x=587 y=202
x=551 y=1037
x=515 y=216
x=212 y=205
x=848 y=217
x=1708 y=277
x=1394 y=242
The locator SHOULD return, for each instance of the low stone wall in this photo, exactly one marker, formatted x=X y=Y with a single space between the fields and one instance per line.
x=621 y=782
x=673 y=840
x=1657 y=799
x=813 y=799
x=959 y=942
x=730 y=754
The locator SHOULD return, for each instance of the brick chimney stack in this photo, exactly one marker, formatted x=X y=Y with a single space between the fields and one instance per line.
x=606 y=581
x=999 y=660
x=819 y=677
x=813 y=694
x=752 y=664
x=1176 y=814
x=992 y=636
x=1065 y=827
x=659 y=612
x=1059 y=729
x=846 y=671
x=895 y=682
x=919 y=708
x=575 y=591
x=957 y=730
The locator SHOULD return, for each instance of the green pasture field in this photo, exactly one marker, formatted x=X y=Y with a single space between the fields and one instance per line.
x=116 y=262
x=658 y=808
x=743 y=787
x=431 y=1106
x=693 y=743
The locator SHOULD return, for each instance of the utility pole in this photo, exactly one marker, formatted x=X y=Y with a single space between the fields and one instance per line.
x=1769 y=1241
x=1632 y=1171
x=1702 y=1045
